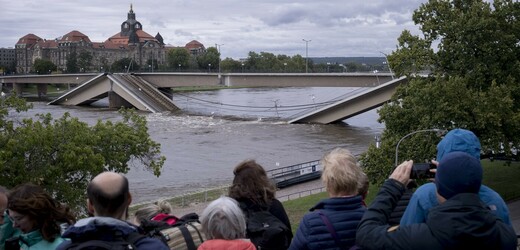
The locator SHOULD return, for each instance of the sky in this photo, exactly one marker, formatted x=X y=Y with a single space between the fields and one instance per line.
x=333 y=28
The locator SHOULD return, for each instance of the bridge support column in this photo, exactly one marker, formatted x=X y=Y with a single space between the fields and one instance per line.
x=168 y=92
x=42 y=90
x=116 y=101
x=18 y=89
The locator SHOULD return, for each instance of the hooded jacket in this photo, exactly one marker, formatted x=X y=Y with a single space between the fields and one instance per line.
x=103 y=228
x=344 y=213
x=461 y=222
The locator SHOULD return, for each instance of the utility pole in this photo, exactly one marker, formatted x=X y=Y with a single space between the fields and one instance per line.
x=218 y=50
x=306 y=55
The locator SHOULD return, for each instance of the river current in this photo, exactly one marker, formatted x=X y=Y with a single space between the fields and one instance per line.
x=218 y=129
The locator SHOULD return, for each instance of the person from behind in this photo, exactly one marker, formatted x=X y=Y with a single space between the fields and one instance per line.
x=424 y=198
x=6 y=225
x=157 y=211
x=364 y=185
x=38 y=217
x=256 y=192
x=460 y=221
x=332 y=223
x=224 y=224
x=108 y=200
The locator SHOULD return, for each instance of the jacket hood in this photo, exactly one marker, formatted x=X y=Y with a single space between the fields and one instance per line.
x=464 y=221
x=459 y=140
x=97 y=225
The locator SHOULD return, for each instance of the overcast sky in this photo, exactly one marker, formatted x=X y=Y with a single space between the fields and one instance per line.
x=335 y=28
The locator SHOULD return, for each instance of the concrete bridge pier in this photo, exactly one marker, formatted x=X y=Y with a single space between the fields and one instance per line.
x=42 y=90
x=115 y=101
x=18 y=89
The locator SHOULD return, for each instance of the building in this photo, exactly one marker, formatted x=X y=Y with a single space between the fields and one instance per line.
x=7 y=60
x=131 y=42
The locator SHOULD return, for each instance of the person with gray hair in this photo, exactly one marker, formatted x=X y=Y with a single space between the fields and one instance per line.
x=332 y=223
x=224 y=224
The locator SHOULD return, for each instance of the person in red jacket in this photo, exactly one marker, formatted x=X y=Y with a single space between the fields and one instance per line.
x=224 y=225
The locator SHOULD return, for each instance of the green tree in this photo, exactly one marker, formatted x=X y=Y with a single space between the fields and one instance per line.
x=72 y=63
x=178 y=56
x=42 y=66
x=473 y=81
x=84 y=61
x=124 y=65
x=230 y=65
x=209 y=59
x=62 y=155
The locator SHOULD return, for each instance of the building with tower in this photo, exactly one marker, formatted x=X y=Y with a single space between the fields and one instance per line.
x=131 y=42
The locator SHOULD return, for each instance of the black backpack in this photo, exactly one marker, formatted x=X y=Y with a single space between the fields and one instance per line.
x=118 y=242
x=185 y=233
x=265 y=230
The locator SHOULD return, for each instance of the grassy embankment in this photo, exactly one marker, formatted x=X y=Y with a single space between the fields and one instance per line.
x=502 y=179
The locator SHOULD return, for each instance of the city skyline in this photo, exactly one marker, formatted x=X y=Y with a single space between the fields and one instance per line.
x=332 y=28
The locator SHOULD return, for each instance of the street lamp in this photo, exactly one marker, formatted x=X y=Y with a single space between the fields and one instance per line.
x=209 y=67
x=328 y=67
x=242 y=67
x=180 y=67
x=284 y=67
x=387 y=63
x=149 y=68
x=218 y=50
x=439 y=132
x=151 y=52
x=306 y=55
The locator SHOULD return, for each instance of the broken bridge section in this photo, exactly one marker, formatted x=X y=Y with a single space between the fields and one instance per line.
x=122 y=90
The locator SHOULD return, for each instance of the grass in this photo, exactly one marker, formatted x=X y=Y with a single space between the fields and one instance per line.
x=499 y=177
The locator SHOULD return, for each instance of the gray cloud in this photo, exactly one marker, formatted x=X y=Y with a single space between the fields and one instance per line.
x=336 y=27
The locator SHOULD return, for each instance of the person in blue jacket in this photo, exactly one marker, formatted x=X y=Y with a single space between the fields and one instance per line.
x=460 y=221
x=424 y=198
x=108 y=200
x=332 y=223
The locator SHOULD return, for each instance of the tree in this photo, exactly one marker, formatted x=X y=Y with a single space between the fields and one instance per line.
x=124 y=64
x=209 y=59
x=63 y=155
x=43 y=66
x=178 y=56
x=84 y=61
x=472 y=83
x=72 y=63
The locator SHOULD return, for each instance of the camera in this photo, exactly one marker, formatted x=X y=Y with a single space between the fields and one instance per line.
x=422 y=171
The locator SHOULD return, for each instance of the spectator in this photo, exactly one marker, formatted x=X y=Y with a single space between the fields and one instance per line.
x=6 y=226
x=332 y=223
x=255 y=192
x=108 y=200
x=224 y=225
x=38 y=216
x=158 y=211
x=424 y=198
x=461 y=221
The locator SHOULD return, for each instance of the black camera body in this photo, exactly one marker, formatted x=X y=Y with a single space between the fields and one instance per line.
x=422 y=171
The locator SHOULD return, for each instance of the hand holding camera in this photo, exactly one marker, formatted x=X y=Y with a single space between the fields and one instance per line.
x=424 y=170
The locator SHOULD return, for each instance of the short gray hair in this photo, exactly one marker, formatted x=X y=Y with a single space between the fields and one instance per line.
x=223 y=219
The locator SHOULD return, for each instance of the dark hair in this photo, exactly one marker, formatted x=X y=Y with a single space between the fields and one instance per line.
x=251 y=182
x=32 y=201
x=108 y=204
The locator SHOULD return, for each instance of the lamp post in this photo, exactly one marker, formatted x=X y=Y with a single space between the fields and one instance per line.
x=388 y=64
x=284 y=67
x=151 y=52
x=218 y=50
x=180 y=67
x=209 y=67
x=242 y=68
x=436 y=130
x=328 y=67
x=306 y=55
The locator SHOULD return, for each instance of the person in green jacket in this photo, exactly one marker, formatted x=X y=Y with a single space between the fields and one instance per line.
x=6 y=226
x=38 y=216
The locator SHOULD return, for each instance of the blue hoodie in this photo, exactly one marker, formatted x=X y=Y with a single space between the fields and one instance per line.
x=425 y=198
x=102 y=228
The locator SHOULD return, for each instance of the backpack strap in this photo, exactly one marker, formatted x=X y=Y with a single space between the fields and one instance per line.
x=134 y=237
x=330 y=228
x=187 y=238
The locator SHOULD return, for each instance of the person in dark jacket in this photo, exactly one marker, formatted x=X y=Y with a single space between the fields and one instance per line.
x=254 y=191
x=332 y=223
x=461 y=221
x=108 y=200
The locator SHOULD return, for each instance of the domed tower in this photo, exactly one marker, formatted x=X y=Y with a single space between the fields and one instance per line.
x=130 y=25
